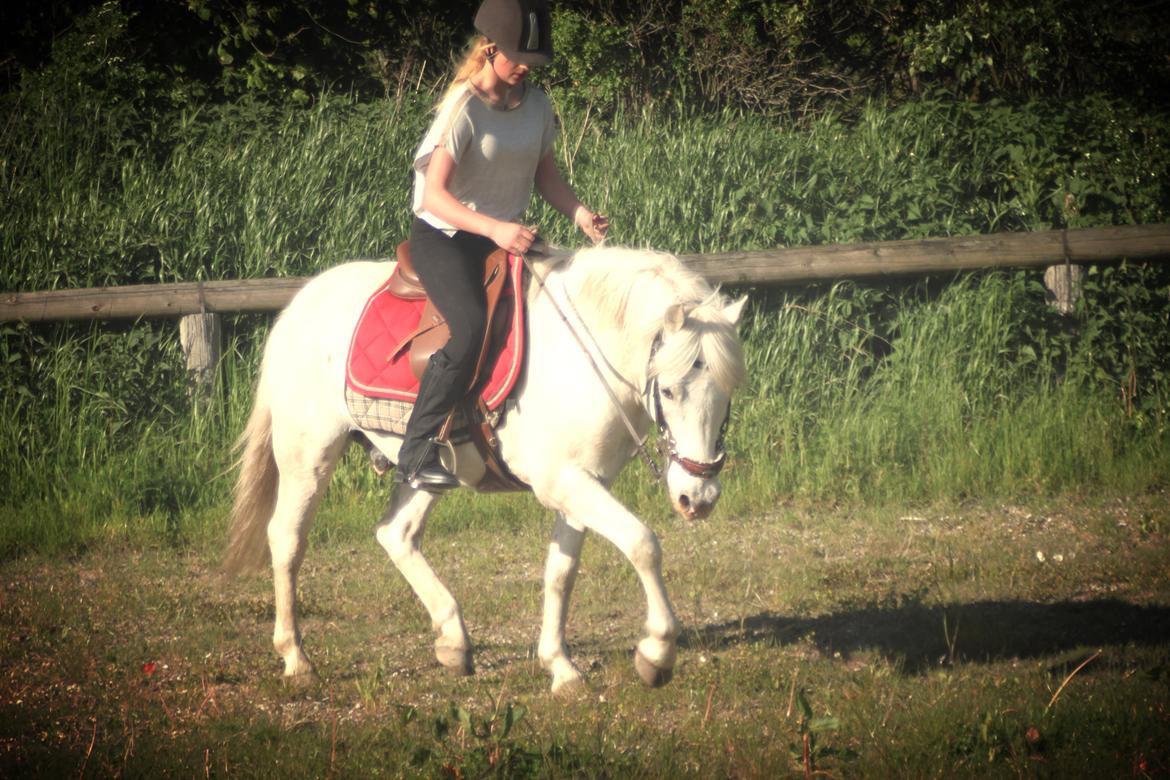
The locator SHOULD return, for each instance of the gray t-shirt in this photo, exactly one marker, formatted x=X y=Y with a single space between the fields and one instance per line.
x=495 y=151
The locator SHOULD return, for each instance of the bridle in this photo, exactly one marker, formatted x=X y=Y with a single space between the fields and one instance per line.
x=666 y=445
x=651 y=402
x=668 y=448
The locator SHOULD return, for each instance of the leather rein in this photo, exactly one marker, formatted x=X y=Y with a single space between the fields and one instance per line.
x=652 y=403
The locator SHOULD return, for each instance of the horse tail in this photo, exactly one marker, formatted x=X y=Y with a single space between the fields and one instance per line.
x=255 y=491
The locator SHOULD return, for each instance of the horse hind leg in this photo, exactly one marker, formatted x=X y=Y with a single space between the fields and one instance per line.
x=378 y=460
x=400 y=534
x=560 y=573
x=303 y=479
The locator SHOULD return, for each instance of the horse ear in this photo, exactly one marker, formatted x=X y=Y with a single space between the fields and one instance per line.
x=733 y=311
x=676 y=317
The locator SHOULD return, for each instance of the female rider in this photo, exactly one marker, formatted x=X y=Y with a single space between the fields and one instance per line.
x=489 y=144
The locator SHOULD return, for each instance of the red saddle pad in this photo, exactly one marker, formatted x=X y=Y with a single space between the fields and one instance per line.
x=372 y=368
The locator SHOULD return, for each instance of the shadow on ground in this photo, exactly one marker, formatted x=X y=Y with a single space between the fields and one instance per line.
x=916 y=636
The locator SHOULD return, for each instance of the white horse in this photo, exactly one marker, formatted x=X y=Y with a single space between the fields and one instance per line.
x=666 y=345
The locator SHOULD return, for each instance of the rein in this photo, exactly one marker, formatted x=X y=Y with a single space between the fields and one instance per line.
x=665 y=445
x=640 y=441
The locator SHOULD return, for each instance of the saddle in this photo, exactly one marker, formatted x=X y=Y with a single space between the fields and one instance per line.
x=433 y=332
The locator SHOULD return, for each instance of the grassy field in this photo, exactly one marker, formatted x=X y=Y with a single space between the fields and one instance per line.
x=941 y=498
x=901 y=640
x=939 y=388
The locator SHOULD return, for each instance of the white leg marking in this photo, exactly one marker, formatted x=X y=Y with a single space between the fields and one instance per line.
x=560 y=572
x=400 y=534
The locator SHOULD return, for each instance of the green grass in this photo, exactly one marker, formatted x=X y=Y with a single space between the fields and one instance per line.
x=855 y=394
x=858 y=393
x=947 y=396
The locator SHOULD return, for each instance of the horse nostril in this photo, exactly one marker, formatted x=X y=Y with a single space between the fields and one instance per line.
x=684 y=501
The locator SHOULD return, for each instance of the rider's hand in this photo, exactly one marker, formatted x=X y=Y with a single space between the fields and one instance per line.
x=593 y=225
x=512 y=237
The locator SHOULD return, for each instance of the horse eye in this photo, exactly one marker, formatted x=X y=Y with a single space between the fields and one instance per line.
x=668 y=394
x=698 y=364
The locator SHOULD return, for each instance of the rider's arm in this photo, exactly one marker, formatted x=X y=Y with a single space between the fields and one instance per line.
x=438 y=200
x=552 y=187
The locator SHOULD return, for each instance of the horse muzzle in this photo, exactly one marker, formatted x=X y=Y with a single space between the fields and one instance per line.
x=692 y=497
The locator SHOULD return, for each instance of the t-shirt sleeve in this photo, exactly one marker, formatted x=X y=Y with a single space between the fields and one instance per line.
x=451 y=129
x=549 y=134
x=459 y=135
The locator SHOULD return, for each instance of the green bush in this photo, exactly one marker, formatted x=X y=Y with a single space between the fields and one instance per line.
x=794 y=58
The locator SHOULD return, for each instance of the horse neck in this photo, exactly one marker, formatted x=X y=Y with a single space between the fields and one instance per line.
x=624 y=346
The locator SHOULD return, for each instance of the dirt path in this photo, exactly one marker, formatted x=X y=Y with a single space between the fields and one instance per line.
x=126 y=660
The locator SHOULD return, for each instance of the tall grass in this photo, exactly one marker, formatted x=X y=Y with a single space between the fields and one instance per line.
x=880 y=392
x=946 y=397
x=240 y=192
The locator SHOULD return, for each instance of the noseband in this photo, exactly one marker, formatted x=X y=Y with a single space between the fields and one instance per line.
x=668 y=448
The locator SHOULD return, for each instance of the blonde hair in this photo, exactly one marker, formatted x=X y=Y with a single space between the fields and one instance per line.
x=474 y=57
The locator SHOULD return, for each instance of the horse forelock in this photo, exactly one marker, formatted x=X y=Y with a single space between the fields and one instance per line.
x=706 y=334
x=632 y=289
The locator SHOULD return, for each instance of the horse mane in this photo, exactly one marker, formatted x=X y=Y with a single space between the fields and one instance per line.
x=634 y=288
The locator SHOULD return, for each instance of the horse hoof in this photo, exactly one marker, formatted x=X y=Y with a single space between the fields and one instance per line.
x=301 y=680
x=457 y=662
x=569 y=687
x=380 y=463
x=653 y=676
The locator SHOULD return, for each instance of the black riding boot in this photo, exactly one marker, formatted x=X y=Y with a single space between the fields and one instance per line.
x=442 y=387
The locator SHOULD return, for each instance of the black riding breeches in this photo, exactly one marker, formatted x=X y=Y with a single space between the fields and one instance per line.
x=451 y=270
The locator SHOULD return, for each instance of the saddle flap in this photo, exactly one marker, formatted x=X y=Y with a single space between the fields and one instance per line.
x=404 y=282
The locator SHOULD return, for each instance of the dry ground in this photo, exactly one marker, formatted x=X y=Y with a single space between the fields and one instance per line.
x=922 y=641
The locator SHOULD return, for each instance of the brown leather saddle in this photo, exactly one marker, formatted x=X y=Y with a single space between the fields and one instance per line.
x=433 y=332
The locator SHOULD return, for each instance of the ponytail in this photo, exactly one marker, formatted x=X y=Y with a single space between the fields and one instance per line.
x=474 y=57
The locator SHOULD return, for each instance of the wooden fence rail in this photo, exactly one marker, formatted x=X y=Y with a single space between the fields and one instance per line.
x=1143 y=243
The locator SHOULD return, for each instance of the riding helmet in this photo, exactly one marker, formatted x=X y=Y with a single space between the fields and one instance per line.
x=522 y=29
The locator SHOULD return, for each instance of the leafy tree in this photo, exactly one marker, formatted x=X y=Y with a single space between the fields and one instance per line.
x=778 y=56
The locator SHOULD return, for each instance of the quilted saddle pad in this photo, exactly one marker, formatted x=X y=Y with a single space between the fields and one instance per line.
x=378 y=365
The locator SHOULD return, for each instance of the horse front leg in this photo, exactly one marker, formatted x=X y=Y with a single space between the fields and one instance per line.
x=587 y=503
x=560 y=572
x=400 y=534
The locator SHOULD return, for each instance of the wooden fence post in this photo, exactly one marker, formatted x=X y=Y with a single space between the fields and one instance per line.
x=1064 y=283
x=199 y=335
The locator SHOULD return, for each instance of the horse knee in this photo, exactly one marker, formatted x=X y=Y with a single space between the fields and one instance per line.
x=645 y=552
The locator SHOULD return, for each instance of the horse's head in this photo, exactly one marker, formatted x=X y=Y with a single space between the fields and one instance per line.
x=697 y=364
